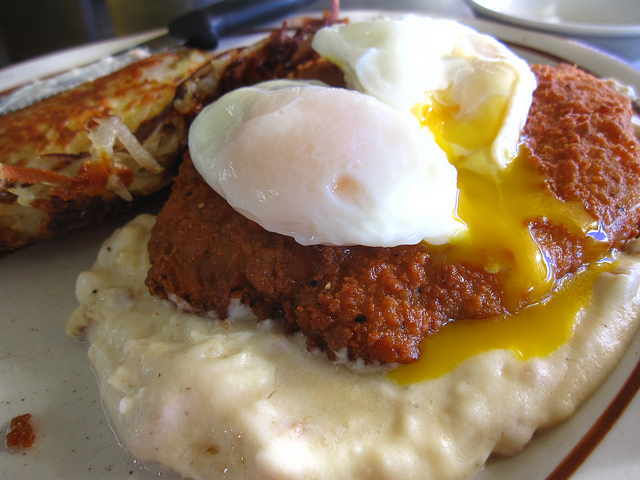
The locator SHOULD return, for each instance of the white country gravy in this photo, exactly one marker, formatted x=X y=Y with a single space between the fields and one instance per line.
x=231 y=399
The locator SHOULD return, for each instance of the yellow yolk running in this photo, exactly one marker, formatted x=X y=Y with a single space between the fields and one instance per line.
x=372 y=175
x=401 y=61
x=497 y=210
x=498 y=207
x=535 y=331
x=469 y=136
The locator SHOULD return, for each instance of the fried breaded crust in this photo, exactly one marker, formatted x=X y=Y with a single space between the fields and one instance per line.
x=583 y=140
x=379 y=303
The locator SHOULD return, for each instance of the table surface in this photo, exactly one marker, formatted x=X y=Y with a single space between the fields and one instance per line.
x=98 y=27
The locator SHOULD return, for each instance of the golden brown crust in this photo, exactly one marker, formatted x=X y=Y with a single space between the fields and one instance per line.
x=61 y=124
x=52 y=179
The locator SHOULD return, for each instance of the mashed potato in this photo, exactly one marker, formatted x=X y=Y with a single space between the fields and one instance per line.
x=228 y=399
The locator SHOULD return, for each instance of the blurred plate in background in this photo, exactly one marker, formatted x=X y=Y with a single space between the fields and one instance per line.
x=567 y=17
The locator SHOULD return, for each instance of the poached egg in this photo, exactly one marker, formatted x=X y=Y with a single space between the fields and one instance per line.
x=326 y=165
x=468 y=89
x=372 y=165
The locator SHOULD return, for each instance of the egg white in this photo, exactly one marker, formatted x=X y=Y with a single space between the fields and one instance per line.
x=326 y=165
x=416 y=60
x=371 y=165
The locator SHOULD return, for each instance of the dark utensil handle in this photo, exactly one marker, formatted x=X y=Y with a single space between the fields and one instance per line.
x=202 y=28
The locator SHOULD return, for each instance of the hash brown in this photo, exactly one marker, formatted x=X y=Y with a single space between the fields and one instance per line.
x=63 y=160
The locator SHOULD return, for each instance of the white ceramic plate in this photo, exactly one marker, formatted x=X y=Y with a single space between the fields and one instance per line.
x=47 y=374
x=569 y=17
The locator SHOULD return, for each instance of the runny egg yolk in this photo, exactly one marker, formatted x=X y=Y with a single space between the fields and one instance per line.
x=535 y=331
x=498 y=209
x=454 y=131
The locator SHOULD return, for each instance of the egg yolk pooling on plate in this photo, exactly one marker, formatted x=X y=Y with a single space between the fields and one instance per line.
x=497 y=211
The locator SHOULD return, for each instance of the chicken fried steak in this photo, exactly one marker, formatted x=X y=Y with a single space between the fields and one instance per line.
x=379 y=303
